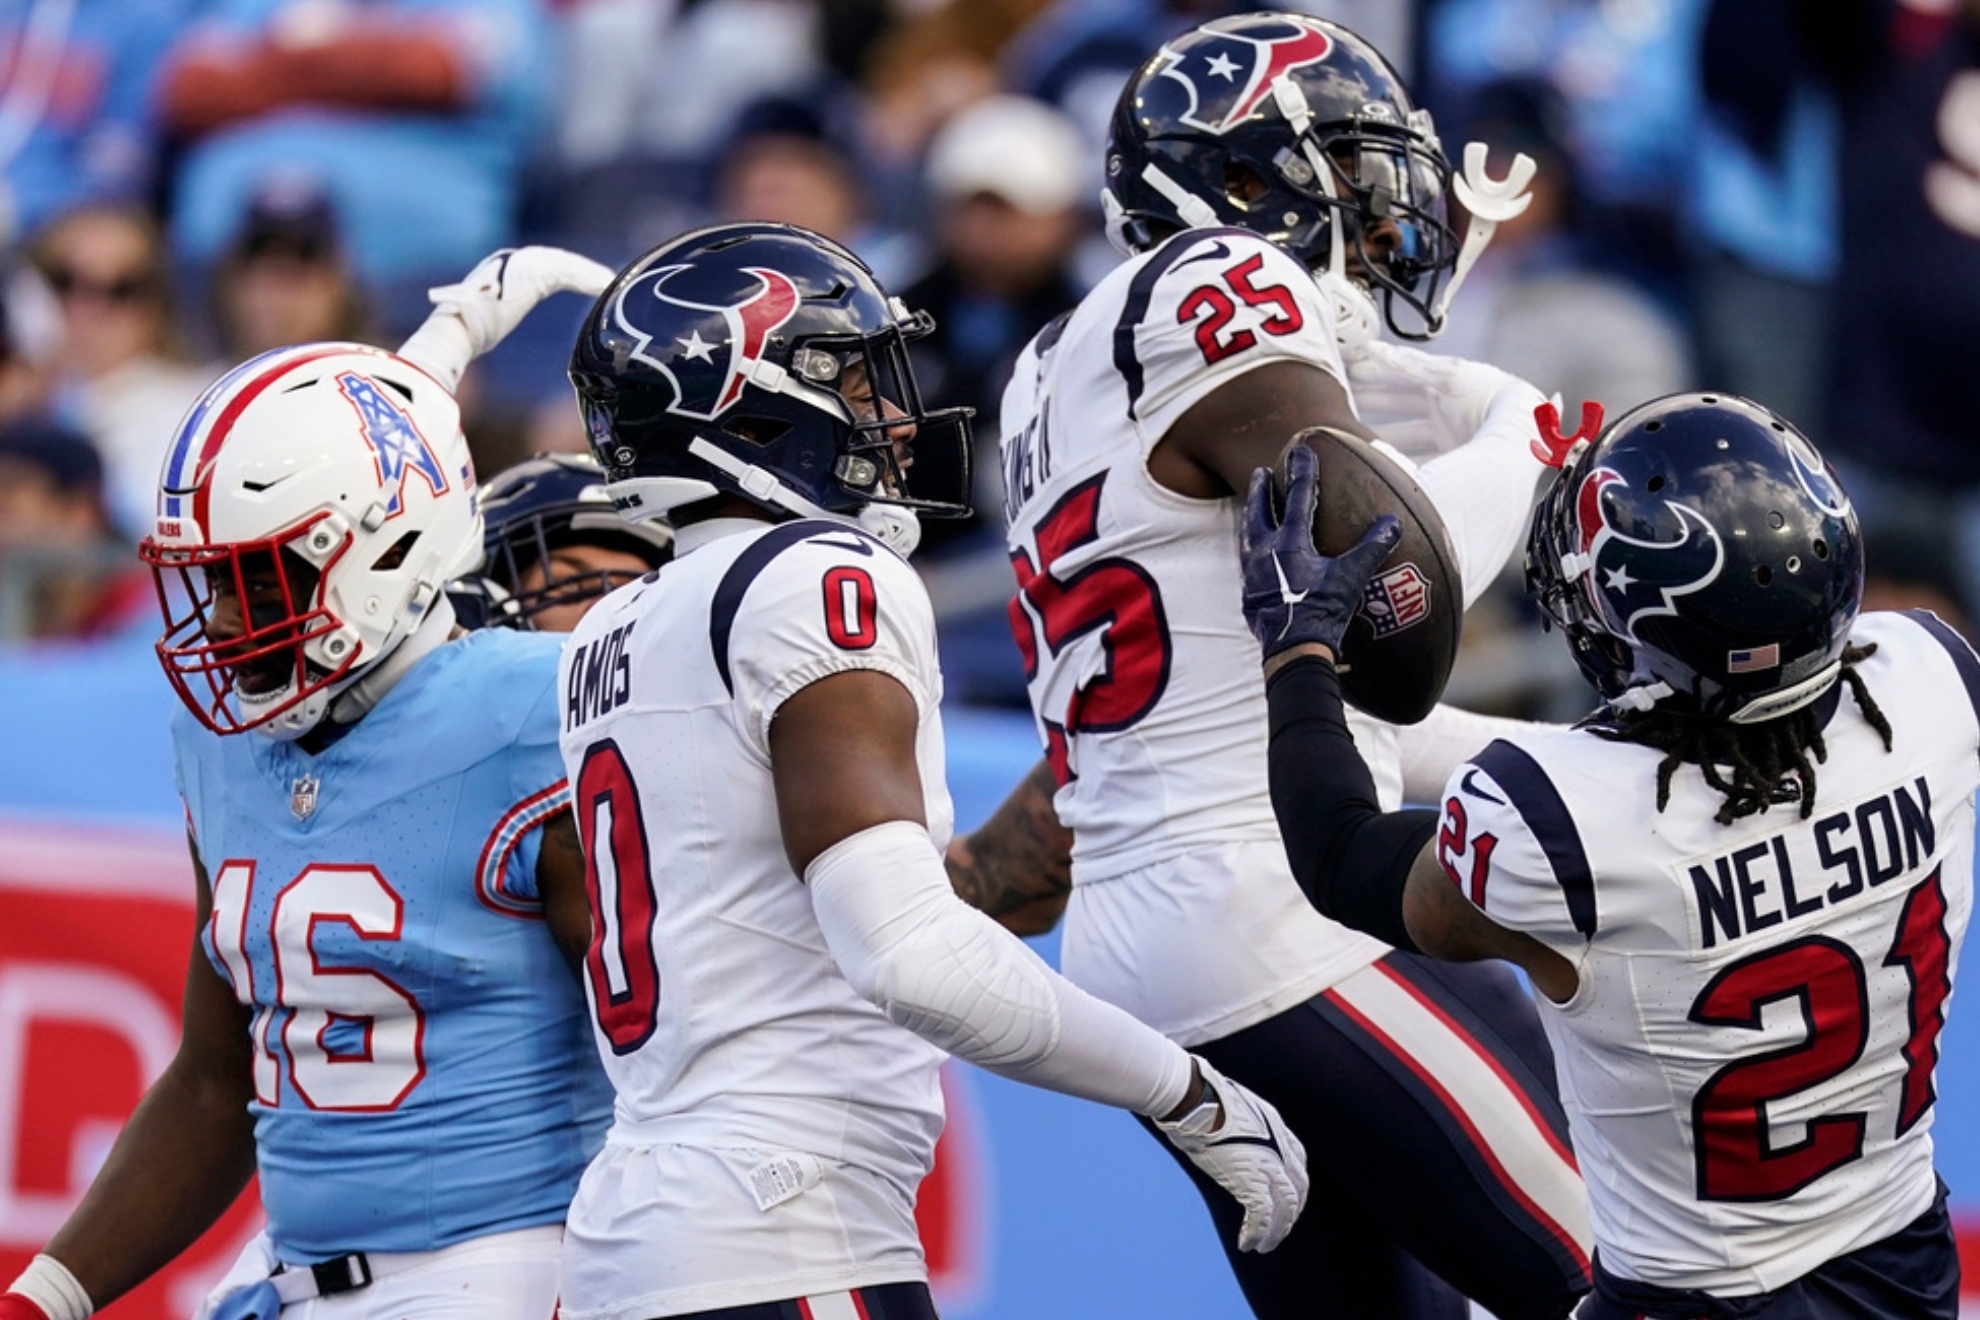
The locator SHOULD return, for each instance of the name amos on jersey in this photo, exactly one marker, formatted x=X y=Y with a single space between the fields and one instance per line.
x=600 y=678
x=1773 y=880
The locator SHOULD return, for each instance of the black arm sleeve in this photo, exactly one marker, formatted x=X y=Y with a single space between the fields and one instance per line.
x=1351 y=860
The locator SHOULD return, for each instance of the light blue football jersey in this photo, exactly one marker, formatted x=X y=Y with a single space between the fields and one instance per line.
x=423 y=1064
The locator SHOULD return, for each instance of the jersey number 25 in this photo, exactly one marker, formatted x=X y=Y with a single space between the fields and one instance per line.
x=1212 y=307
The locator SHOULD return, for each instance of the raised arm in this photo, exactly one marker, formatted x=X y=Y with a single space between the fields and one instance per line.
x=1372 y=871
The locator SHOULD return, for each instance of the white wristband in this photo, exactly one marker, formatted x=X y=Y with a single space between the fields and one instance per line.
x=48 y=1284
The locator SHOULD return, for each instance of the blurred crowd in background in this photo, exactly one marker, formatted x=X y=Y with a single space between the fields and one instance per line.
x=1778 y=198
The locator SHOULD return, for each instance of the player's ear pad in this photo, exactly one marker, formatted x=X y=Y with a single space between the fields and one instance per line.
x=1401 y=643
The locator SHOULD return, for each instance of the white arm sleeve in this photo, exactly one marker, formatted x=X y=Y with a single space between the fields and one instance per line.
x=1485 y=487
x=960 y=981
x=441 y=347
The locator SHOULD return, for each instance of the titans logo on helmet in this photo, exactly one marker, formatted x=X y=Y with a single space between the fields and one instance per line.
x=396 y=443
x=1228 y=77
x=1638 y=577
x=704 y=329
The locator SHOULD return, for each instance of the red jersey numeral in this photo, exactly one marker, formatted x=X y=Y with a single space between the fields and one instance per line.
x=851 y=608
x=355 y=1039
x=620 y=963
x=1924 y=950
x=1113 y=596
x=1451 y=844
x=1735 y=1155
x=1213 y=304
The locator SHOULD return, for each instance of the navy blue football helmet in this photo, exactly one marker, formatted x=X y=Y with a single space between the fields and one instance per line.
x=763 y=360
x=544 y=504
x=1700 y=552
x=1298 y=130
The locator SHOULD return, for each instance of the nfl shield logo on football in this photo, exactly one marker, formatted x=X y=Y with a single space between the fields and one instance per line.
x=1398 y=599
x=302 y=796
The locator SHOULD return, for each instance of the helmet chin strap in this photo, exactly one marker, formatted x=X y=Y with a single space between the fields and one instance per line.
x=350 y=699
x=1642 y=696
x=292 y=723
x=894 y=524
x=1292 y=104
x=354 y=701
x=1115 y=217
x=1194 y=212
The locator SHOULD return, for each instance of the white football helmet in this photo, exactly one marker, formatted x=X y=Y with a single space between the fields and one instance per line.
x=313 y=503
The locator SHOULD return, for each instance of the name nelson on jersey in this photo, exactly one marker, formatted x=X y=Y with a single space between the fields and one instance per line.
x=1777 y=879
x=600 y=678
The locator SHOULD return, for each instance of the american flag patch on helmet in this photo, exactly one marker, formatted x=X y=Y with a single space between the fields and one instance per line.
x=1748 y=662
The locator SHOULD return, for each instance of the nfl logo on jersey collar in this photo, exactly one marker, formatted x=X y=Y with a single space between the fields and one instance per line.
x=302 y=795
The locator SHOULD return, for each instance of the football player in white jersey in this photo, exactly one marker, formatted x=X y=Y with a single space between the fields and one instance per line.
x=1743 y=966
x=1281 y=196
x=778 y=962
x=378 y=1016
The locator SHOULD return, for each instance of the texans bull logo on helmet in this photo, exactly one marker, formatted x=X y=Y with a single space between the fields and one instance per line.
x=704 y=329
x=1229 y=76
x=1817 y=482
x=1634 y=578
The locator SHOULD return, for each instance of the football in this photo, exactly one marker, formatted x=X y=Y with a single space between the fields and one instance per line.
x=1399 y=647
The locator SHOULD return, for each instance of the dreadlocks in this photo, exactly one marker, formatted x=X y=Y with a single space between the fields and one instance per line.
x=1768 y=762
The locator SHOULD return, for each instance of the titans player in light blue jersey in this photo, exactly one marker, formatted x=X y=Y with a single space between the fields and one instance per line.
x=379 y=1016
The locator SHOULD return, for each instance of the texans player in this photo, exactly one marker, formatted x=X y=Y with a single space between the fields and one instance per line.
x=555 y=545
x=1281 y=195
x=755 y=751
x=1743 y=965
x=376 y=1013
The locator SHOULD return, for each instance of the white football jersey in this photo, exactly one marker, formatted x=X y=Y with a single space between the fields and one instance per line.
x=1747 y=1062
x=719 y=1013
x=1143 y=677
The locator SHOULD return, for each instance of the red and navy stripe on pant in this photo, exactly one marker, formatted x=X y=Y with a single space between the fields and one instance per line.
x=1424 y=1093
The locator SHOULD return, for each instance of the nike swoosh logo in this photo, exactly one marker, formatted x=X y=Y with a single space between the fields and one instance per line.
x=1215 y=252
x=1469 y=784
x=850 y=543
x=1286 y=593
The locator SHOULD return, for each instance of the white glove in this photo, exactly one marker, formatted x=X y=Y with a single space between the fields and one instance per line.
x=474 y=315
x=499 y=292
x=1252 y=1155
x=1427 y=404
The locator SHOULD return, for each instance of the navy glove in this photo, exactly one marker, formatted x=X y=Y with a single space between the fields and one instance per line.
x=1293 y=594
